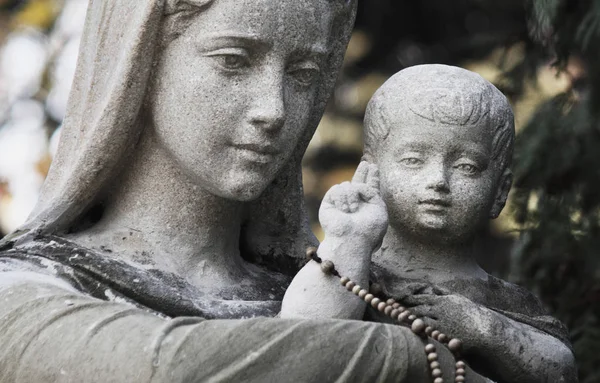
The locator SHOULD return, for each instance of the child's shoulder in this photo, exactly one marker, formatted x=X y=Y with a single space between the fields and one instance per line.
x=498 y=294
x=493 y=293
x=510 y=300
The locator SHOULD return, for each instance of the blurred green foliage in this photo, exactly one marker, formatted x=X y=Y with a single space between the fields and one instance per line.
x=557 y=174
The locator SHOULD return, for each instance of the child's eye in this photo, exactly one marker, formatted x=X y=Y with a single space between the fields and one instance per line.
x=467 y=169
x=411 y=161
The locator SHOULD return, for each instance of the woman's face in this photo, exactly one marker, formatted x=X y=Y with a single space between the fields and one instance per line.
x=233 y=94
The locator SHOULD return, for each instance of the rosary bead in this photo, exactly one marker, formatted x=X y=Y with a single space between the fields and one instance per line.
x=362 y=293
x=404 y=315
x=311 y=252
x=375 y=289
x=436 y=373
x=381 y=306
x=429 y=348
x=344 y=280
x=435 y=334
x=369 y=298
x=412 y=317
x=350 y=285
x=434 y=365
x=327 y=267
x=460 y=371
x=459 y=379
x=428 y=330
x=432 y=357
x=356 y=289
x=442 y=338
x=388 y=310
x=375 y=302
x=460 y=364
x=455 y=345
x=418 y=326
x=438 y=380
x=396 y=305
x=390 y=301
x=394 y=313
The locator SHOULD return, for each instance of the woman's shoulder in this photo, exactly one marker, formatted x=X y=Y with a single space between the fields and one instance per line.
x=109 y=278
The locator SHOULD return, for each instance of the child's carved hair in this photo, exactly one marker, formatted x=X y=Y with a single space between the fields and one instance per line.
x=444 y=95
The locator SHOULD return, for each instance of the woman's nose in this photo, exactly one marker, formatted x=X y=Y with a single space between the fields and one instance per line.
x=268 y=107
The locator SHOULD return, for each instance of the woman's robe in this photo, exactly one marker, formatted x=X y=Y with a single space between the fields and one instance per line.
x=68 y=314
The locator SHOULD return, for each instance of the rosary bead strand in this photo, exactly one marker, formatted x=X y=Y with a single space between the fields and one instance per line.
x=395 y=311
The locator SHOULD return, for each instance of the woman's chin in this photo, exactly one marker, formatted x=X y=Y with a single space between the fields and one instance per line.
x=241 y=191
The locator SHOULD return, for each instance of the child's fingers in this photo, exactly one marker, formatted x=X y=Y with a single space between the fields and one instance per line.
x=440 y=291
x=331 y=195
x=343 y=197
x=365 y=192
x=372 y=178
x=353 y=201
x=360 y=175
x=420 y=299
x=410 y=289
x=426 y=313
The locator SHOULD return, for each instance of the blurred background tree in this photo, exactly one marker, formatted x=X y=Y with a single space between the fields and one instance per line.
x=544 y=54
x=557 y=167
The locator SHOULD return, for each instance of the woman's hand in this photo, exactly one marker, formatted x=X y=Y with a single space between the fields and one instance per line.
x=355 y=210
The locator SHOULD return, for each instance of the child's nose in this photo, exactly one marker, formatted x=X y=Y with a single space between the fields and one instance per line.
x=437 y=179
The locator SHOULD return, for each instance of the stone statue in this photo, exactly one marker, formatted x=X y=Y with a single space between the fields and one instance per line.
x=172 y=219
x=438 y=145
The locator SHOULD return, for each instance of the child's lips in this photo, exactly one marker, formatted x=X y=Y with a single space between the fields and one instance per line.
x=435 y=202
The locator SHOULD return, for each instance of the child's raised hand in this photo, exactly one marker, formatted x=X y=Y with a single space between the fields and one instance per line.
x=355 y=209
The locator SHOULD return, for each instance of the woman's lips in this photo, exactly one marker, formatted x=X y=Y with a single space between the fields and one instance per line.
x=257 y=153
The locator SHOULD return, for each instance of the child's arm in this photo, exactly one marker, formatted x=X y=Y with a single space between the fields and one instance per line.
x=354 y=219
x=514 y=351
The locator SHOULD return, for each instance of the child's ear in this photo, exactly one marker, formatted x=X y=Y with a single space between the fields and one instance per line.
x=501 y=194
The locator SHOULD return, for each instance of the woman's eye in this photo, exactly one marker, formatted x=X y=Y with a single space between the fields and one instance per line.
x=411 y=161
x=467 y=169
x=230 y=58
x=305 y=74
x=233 y=62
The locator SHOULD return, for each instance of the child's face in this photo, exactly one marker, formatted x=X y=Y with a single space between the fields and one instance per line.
x=439 y=181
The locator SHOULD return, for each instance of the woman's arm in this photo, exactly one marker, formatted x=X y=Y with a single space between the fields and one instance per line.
x=51 y=333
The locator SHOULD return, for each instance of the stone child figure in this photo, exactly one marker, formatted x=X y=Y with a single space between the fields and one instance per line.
x=441 y=138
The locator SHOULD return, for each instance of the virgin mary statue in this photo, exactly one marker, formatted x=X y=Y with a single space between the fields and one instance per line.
x=172 y=218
